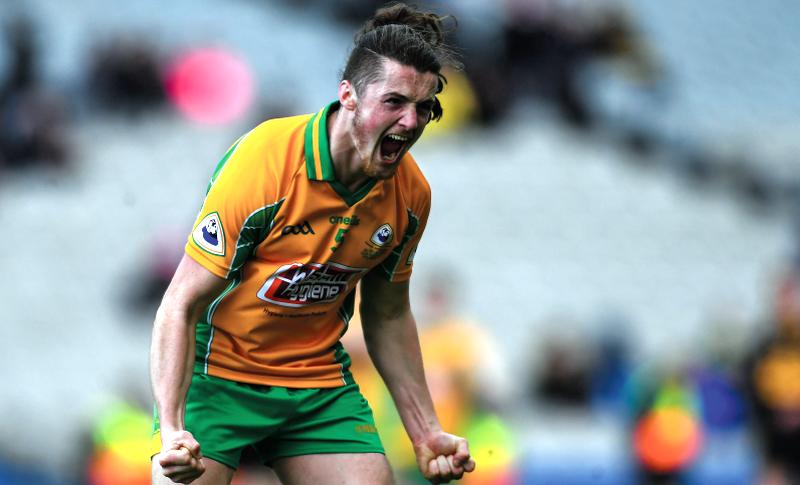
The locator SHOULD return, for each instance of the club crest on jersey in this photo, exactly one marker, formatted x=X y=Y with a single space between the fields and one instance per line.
x=382 y=235
x=209 y=235
x=298 y=285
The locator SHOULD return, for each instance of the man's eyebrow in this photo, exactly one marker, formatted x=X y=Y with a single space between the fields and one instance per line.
x=394 y=94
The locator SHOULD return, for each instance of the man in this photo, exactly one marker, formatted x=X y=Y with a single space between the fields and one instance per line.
x=298 y=211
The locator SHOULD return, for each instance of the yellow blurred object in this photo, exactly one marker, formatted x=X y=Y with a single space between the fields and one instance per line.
x=777 y=377
x=122 y=437
x=459 y=103
x=124 y=430
x=492 y=446
x=452 y=350
x=109 y=468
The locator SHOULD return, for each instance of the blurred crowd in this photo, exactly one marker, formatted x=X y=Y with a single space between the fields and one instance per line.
x=36 y=118
x=538 y=56
x=674 y=411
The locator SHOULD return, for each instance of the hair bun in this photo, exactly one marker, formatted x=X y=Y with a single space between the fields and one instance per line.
x=428 y=25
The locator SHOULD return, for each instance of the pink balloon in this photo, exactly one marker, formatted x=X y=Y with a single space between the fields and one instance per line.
x=210 y=85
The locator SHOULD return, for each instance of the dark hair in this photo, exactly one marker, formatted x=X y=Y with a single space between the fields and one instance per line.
x=406 y=35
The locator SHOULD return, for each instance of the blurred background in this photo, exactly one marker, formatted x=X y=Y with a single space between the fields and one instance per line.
x=608 y=290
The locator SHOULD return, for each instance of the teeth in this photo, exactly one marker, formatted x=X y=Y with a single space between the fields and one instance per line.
x=399 y=138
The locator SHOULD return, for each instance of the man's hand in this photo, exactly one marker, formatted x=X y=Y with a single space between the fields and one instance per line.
x=180 y=457
x=442 y=457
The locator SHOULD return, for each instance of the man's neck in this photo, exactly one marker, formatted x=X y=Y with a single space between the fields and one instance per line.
x=348 y=163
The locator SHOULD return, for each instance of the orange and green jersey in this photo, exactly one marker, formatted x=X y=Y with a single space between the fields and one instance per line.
x=293 y=243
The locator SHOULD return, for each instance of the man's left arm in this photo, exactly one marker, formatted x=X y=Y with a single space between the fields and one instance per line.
x=390 y=333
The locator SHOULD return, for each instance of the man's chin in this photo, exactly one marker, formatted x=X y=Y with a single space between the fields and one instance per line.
x=383 y=175
x=383 y=170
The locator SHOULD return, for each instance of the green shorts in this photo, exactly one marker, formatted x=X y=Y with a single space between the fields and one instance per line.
x=226 y=417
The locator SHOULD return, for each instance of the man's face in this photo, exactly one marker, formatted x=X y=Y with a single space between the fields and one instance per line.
x=390 y=116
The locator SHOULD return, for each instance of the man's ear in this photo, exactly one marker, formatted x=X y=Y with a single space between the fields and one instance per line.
x=347 y=95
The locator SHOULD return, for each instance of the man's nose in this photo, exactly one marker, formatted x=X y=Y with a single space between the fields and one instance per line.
x=410 y=119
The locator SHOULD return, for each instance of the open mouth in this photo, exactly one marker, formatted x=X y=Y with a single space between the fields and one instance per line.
x=392 y=145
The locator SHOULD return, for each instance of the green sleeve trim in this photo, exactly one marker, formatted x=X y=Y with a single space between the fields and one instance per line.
x=339 y=353
x=346 y=310
x=389 y=265
x=254 y=230
x=204 y=333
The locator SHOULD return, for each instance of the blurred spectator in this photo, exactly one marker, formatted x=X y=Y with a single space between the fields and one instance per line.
x=125 y=76
x=611 y=368
x=723 y=407
x=719 y=381
x=152 y=278
x=667 y=434
x=547 y=44
x=773 y=376
x=468 y=378
x=32 y=118
x=563 y=373
x=121 y=446
x=114 y=444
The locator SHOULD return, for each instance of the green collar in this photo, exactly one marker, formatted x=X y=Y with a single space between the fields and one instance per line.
x=319 y=164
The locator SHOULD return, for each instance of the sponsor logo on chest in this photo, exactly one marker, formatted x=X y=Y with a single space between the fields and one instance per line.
x=297 y=285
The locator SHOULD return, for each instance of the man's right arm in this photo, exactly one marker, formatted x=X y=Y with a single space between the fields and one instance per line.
x=191 y=290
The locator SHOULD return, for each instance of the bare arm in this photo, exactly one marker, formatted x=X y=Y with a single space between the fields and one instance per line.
x=390 y=333
x=192 y=289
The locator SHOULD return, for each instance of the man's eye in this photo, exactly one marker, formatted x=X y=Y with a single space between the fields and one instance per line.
x=393 y=101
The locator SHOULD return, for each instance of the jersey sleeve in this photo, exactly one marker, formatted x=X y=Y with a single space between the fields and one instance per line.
x=400 y=262
x=238 y=209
